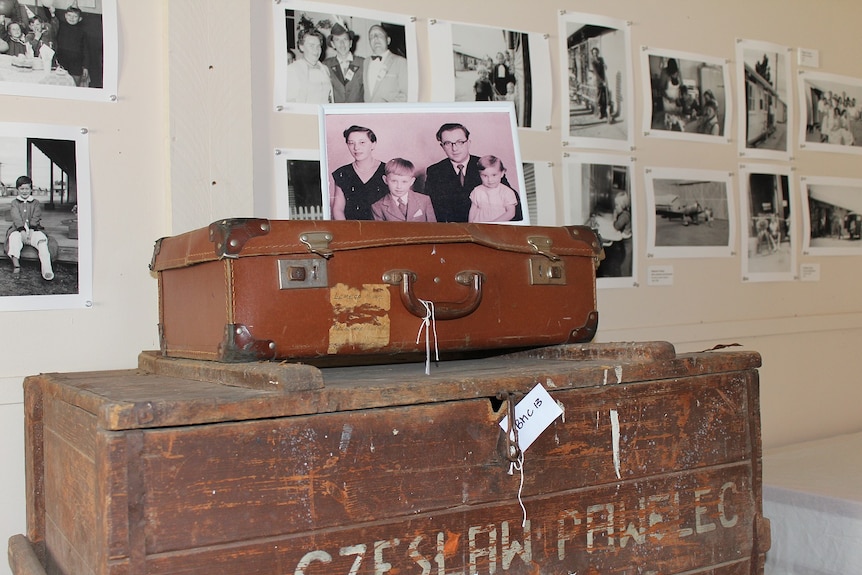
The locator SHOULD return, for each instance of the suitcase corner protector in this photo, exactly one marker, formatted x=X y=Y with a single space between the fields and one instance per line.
x=587 y=331
x=239 y=345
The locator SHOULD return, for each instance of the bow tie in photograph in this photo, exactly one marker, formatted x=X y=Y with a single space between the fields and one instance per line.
x=377 y=57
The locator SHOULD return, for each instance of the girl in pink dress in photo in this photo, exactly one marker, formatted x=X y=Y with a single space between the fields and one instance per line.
x=492 y=200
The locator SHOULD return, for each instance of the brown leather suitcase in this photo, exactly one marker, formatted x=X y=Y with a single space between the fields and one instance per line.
x=256 y=289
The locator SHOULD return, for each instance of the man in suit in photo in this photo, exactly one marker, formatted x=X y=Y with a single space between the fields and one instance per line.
x=345 y=68
x=449 y=182
x=385 y=73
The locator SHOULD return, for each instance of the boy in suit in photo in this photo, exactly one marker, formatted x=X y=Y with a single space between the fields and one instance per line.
x=384 y=74
x=345 y=68
x=402 y=204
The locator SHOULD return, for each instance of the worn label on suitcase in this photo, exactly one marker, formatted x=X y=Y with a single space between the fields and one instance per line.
x=250 y=289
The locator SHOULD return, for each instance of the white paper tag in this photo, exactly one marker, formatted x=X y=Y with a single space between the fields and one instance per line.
x=533 y=414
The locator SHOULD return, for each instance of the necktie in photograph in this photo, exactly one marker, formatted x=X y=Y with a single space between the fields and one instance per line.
x=461 y=173
x=403 y=207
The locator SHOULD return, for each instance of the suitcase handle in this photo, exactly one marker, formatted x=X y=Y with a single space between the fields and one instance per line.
x=442 y=310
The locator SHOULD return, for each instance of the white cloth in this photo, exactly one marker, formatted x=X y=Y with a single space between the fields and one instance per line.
x=812 y=497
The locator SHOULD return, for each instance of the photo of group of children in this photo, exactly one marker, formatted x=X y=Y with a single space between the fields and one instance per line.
x=54 y=48
x=832 y=118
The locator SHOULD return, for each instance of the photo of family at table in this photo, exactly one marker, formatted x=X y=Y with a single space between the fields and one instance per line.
x=324 y=58
x=52 y=43
x=424 y=167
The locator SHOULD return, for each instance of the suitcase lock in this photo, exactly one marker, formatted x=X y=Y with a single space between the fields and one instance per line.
x=543 y=272
x=548 y=269
x=302 y=273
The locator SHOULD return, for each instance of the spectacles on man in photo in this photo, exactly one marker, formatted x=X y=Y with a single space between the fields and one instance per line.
x=450 y=145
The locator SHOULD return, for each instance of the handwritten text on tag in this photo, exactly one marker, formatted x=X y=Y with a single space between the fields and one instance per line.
x=533 y=414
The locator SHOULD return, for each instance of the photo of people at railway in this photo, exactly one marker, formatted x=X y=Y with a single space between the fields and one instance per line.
x=767 y=78
x=688 y=95
x=833 y=109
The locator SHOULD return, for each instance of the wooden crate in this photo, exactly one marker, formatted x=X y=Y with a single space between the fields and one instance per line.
x=286 y=469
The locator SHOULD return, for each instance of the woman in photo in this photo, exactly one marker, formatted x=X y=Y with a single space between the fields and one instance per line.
x=357 y=185
x=307 y=78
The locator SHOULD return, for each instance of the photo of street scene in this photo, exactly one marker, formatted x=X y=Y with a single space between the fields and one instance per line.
x=596 y=81
x=832 y=210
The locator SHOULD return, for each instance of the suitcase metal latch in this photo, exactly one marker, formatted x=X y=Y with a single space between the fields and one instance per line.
x=542 y=245
x=317 y=243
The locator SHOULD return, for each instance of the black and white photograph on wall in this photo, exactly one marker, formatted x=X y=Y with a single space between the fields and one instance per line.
x=764 y=84
x=596 y=81
x=59 y=49
x=768 y=234
x=45 y=260
x=423 y=162
x=472 y=63
x=830 y=113
x=299 y=195
x=326 y=54
x=831 y=216
x=598 y=194
x=539 y=182
x=685 y=96
x=690 y=213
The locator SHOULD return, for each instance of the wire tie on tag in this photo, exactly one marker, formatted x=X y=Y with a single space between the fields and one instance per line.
x=429 y=322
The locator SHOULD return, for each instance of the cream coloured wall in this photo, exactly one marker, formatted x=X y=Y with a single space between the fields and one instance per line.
x=192 y=135
x=130 y=199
